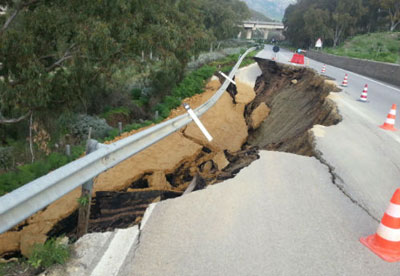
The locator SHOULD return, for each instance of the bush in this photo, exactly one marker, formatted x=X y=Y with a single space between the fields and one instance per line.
x=12 y=180
x=6 y=157
x=50 y=253
x=191 y=85
x=80 y=127
x=123 y=110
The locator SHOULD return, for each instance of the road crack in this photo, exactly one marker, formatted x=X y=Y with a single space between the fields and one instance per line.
x=335 y=178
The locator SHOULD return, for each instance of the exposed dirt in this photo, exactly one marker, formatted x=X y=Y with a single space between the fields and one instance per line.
x=297 y=99
x=286 y=102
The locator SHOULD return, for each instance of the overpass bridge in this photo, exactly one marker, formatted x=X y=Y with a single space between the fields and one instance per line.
x=264 y=27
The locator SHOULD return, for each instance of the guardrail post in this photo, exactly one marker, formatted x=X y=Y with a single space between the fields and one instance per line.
x=68 y=150
x=86 y=196
x=120 y=127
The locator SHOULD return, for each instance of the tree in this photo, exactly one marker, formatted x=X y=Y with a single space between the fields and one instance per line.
x=392 y=8
x=293 y=21
x=347 y=13
x=63 y=56
x=317 y=25
x=333 y=20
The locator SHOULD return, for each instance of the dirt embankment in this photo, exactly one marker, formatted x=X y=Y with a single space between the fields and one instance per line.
x=298 y=100
x=286 y=102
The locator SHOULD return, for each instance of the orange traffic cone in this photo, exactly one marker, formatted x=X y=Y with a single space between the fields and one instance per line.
x=386 y=242
x=390 y=119
x=323 y=69
x=344 y=83
x=364 y=94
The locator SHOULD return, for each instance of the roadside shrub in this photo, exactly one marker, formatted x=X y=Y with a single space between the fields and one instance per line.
x=12 y=180
x=6 y=158
x=80 y=127
x=204 y=59
x=232 y=51
x=50 y=253
x=191 y=85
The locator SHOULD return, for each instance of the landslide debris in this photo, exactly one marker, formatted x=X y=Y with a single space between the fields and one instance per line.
x=297 y=98
x=276 y=114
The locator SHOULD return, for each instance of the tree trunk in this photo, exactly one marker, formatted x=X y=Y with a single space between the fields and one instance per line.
x=30 y=137
x=393 y=26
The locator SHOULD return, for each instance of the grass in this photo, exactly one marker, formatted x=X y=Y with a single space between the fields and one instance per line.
x=226 y=64
x=21 y=267
x=384 y=47
x=50 y=253
x=115 y=111
x=26 y=173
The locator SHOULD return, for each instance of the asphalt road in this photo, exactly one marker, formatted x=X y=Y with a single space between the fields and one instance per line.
x=280 y=216
x=287 y=214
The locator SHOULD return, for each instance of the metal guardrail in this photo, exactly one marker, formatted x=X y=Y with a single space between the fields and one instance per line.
x=23 y=202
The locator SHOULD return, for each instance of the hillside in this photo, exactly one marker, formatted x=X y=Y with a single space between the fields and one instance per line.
x=258 y=16
x=271 y=8
x=383 y=46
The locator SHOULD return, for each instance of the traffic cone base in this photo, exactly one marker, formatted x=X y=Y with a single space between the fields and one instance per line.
x=390 y=120
x=388 y=127
x=386 y=241
x=388 y=253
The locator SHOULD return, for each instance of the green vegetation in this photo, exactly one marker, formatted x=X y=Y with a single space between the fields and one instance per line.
x=383 y=47
x=226 y=64
x=83 y=200
x=192 y=84
x=12 y=180
x=334 y=21
x=68 y=66
x=21 y=267
x=50 y=253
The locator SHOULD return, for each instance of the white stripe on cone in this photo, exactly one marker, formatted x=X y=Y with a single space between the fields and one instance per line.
x=388 y=233
x=390 y=121
x=392 y=112
x=393 y=210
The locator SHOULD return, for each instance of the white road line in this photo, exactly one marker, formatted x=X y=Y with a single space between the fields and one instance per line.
x=356 y=74
x=368 y=119
x=115 y=254
x=147 y=214
x=361 y=76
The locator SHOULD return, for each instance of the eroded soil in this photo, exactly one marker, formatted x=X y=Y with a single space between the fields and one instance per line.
x=276 y=115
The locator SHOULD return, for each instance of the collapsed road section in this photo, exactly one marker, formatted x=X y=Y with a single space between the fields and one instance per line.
x=274 y=112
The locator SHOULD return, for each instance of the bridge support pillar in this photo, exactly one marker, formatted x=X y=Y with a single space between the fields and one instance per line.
x=248 y=34
x=239 y=35
x=266 y=32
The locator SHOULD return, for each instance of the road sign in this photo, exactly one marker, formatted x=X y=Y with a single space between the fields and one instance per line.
x=318 y=44
x=275 y=49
